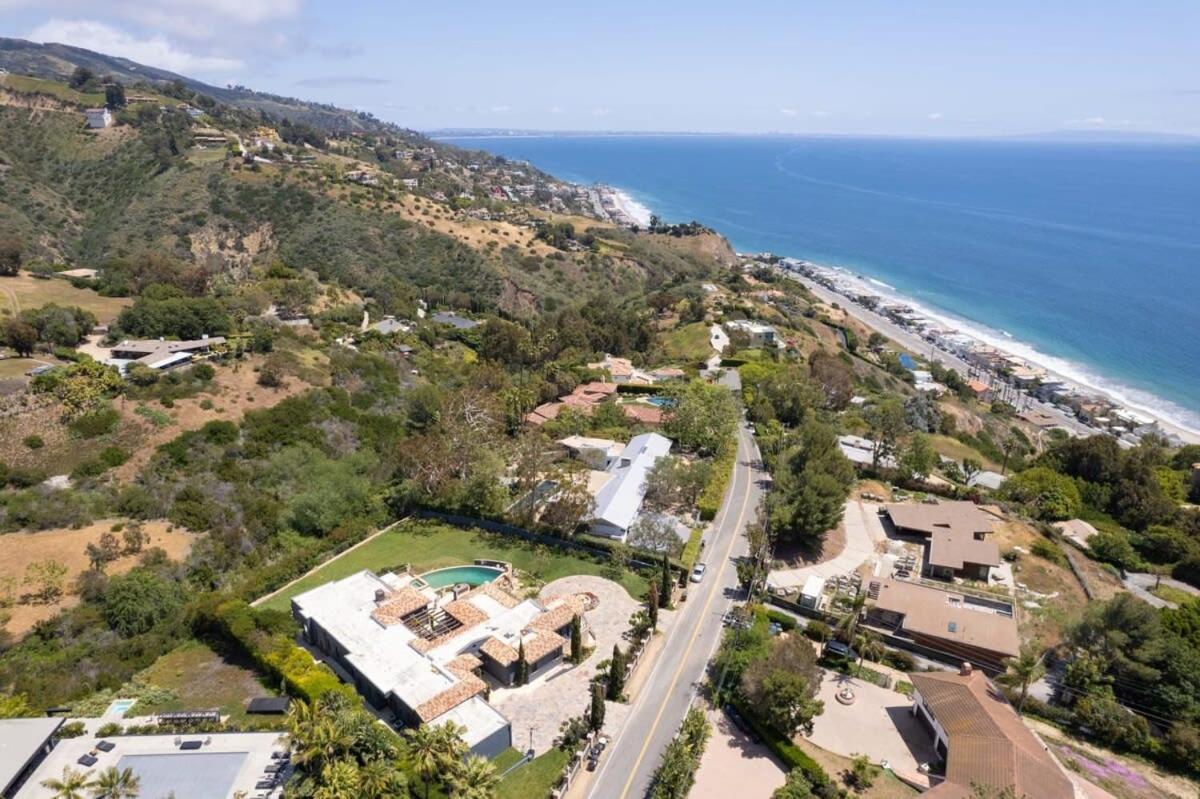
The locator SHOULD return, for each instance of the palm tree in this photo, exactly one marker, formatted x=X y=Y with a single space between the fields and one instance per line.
x=848 y=623
x=71 y=786
x=474 y=778
x=1022 y=671
x=380 y=779
x=868 y=643
x=424 y=752
x=114 y=783
x=322 y=741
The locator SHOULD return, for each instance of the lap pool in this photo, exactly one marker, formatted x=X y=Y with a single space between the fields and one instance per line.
x=199 y=775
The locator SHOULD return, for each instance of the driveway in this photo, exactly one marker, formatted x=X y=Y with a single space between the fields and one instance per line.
x=879 y=725
x=565 y=690
x=734 y=766
x=1139 y=584
x=864 y=532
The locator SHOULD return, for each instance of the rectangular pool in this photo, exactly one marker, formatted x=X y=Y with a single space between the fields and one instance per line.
x=195 y=775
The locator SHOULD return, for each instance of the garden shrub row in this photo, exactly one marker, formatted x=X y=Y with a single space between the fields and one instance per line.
x=722 y=471
x=783 y=748
x=266 y=638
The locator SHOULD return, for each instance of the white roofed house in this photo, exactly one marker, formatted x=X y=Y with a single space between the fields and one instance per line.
x=98 y=118
x=619 y=500
x=160 y=354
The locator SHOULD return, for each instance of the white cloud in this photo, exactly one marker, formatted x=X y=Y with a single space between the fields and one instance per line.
x=154 y=50
x=935 y=116
x=822 y=114
x=186 y=18
x=557 y=110
x=789 y=112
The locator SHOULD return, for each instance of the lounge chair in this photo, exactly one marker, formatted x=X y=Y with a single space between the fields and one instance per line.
x=86 y=760
x=106 y=746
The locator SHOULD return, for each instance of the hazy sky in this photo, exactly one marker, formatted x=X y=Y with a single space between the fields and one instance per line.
x=957 y=67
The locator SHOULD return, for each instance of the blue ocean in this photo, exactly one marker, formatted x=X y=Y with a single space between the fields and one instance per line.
x=1086 y=256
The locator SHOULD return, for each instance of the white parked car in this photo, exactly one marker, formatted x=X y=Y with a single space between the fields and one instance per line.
x=698 y=572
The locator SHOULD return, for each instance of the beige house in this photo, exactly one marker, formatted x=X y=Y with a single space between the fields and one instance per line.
x=956 y=534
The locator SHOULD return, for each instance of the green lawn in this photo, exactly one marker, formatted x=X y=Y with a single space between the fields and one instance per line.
x=202 y=678
x=25 y=83
x=689 y=343
x=1172 y=594
x=534 y=779
x=953 y=448
x=432 y=545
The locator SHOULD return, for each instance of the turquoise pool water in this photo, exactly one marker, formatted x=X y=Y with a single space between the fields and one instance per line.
x=119 y=707
x=471 y=575
x=662 y=402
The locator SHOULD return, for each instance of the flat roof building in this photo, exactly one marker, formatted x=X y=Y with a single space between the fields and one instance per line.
x=957 y=535
x=24 y=743
x=423 y=653
x=957 y=625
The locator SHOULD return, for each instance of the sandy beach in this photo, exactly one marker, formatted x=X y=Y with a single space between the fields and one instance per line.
x=914 y=343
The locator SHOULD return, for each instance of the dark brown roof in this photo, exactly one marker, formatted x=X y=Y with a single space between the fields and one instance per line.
x=988 y=745
x=960 y=518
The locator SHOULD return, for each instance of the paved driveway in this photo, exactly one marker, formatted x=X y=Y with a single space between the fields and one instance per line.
x=878 y=725
x=565 y=690
x=733 y=766
x=863 y=532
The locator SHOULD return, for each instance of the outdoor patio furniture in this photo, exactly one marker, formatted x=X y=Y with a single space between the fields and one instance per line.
x=273 y=768
x=86 y=760
x=263 y=785
x=191 y=745
x=106 y=746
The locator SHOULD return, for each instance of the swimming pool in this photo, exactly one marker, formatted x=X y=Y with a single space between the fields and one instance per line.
x=471 y=575
x=198 y=775
x=120 y=707
x=661 y=402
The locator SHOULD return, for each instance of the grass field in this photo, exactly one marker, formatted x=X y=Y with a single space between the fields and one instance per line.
x=431 y=545
x=17 y=367
x=953 y=448
x=1172 y=594
x=689 y=342
x=25 y=291
x=202 y=679
x=24 y=83
x=533 y=779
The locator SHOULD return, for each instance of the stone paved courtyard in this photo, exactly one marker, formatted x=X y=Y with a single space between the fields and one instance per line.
x=563 y=691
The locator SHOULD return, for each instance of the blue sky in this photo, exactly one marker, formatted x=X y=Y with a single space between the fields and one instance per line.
x=834 y=66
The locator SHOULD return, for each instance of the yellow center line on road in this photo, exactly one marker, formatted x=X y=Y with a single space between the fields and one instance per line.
x=683 y=660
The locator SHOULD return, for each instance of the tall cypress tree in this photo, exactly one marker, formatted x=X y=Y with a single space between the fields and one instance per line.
x=522 y=665
x=664 y=598
x=652 y=606
x=616 y=674
x=596 y=717
x=576 y=639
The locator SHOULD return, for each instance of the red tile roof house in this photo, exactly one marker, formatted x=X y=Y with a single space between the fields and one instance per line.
x=585 y=398
x=984 y=742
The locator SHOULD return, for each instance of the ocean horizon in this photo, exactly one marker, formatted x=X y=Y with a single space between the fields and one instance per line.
x=1084 y=257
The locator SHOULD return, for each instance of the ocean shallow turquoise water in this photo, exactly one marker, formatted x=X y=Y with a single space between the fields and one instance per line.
x=1087 y=253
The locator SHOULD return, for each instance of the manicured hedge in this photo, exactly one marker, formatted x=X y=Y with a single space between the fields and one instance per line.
x=266 y=638
x=638 y=388
x=791 y=755
x=782 y=619
x=722 y=471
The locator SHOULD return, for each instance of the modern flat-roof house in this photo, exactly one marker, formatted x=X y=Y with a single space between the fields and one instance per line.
x=24 y=743
x=760 y=335
x=956 y=625
x=957 y=535
x=423 y=654
x=621 y=370
x=619 y=500
x=157 y=353
x=595 y=453
x=982 y=739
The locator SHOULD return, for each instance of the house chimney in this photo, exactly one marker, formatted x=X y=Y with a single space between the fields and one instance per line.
x=965 y=669
x=380 y=595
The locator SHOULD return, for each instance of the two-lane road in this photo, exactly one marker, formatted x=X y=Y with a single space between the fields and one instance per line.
x=664 y=699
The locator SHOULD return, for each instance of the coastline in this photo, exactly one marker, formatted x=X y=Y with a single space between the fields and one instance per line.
x=845 y=288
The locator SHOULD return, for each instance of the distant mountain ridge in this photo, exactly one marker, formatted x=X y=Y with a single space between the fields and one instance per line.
x=57 y=61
